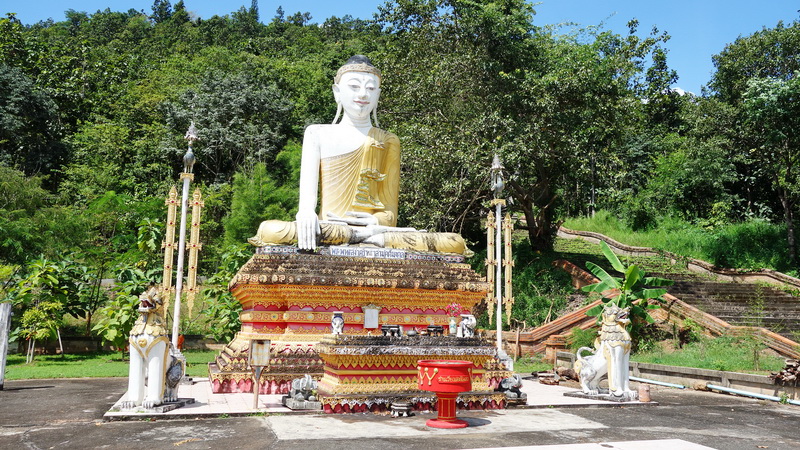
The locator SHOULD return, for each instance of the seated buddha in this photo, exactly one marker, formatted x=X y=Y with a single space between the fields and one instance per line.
x=355 y=168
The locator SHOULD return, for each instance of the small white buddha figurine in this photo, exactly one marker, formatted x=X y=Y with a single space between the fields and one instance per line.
x=356 y=168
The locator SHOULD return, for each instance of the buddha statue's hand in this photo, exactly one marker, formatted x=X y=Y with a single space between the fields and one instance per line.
x=360 y=219
x=307 y=230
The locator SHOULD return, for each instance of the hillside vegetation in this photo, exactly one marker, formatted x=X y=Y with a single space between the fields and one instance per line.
x=94 y=107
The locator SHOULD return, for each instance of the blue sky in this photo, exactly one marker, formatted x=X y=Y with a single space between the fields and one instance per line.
x=699 y=28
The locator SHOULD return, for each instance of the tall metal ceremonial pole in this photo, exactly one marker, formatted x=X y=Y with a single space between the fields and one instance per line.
x=187 y=176
x=497 y=186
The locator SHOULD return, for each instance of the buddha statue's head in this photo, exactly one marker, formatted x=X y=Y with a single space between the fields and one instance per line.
x=356 y=88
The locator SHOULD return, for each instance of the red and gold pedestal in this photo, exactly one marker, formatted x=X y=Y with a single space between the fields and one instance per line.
x=371 y=373
x=447 y=378
x=289 y=297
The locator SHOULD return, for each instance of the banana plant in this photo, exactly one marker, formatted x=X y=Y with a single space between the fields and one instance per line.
x=634 y=290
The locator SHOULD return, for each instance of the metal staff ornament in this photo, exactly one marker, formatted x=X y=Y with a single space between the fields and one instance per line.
x=496 y=229
x=187 y=177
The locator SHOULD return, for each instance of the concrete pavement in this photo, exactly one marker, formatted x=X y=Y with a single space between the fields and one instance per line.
x=208 y=404
x=69 y=414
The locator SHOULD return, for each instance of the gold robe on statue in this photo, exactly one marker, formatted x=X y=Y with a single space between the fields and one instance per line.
x=364 y=180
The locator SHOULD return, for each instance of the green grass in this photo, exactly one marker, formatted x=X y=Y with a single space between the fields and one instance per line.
x=747 y=245
x=197 y=362
x=673 y=235
x=527 y=365
x=98 y=364
x=578 y=251
x=732 y=354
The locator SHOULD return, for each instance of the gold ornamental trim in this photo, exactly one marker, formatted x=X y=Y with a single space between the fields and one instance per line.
x=265 y=376
x=317 y=317
x=421 y=320
x=350 y=361
x=194 y=246
x=331 y=387
x=169 y=245
x=508 y=264
x=282 y=296
x=361 y=372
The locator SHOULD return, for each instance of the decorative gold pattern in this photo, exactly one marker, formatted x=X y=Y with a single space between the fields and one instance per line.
x=357 y=67
x=273 y=289
x=490 y=264
x=382 y=385
x=169 y=245
x=346 y=361
x=282 y=296
x=428 y=376
x=418 y=320
x=508 y=263
x=326 y=270
x=194 y=247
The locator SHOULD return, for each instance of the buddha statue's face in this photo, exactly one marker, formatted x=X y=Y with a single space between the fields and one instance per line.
x=358 y=93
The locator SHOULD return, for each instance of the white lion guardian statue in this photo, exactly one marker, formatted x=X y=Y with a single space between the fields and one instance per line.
x=611 y=355
x=155 y=371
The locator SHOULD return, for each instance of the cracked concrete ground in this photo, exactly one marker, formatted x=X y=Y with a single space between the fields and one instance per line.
x=42 y=414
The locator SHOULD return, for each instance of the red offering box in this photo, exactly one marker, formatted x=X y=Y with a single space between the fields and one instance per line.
x=444 y=375
x=446 y=378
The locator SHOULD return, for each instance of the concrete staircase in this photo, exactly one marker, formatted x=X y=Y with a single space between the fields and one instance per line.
x=742 y=304
x=739 y=298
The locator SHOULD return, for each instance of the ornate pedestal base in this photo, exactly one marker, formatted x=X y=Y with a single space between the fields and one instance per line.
x=446 y=407
x=289 y=297
x=365 y=373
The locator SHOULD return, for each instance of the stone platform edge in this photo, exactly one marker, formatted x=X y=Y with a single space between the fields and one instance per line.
x=695 y=378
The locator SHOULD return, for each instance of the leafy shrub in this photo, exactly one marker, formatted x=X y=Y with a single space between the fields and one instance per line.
x=639 y=216
x=754 y=244
x=222 y=309
x=582 y=338
x=540 y=290
x=120 y=313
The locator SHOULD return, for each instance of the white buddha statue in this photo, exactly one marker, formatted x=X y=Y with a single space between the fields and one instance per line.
x=355 y=167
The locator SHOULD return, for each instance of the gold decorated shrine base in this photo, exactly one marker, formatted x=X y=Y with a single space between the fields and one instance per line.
x=374 y=365
x=365 y=372
x=289 y=297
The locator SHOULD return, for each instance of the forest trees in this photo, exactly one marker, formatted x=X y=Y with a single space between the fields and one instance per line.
x=757 y=75
x=93 y=110
x=469 y=79
x=771 y=110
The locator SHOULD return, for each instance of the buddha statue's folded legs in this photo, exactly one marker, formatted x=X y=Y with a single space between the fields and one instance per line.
x=278 y=232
